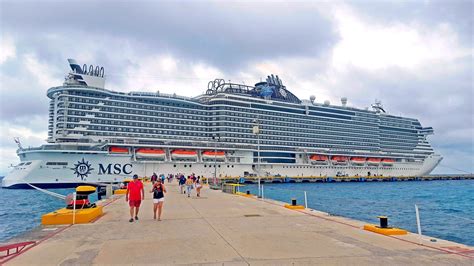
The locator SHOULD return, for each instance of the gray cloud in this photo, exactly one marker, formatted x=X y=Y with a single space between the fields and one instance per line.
x=224 y=35
x=455 y=12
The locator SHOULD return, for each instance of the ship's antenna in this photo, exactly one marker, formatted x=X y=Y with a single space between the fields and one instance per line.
x=17 y=141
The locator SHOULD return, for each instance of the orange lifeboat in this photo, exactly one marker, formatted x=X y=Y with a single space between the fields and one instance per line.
x=211 y=155
x=150 y=153
x=358 y=160
x=339 y=159
x=115 y=149
x=373 y=161
x=184 y=154
x=387 y=161
x=319 y=159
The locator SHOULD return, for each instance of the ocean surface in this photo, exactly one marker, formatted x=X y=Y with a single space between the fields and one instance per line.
x=21 y=209
x=446 y=207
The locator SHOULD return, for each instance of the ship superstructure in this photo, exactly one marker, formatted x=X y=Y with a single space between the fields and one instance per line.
x=100 y=135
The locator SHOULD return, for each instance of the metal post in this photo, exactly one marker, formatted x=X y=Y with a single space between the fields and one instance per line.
x=256 y=130
x=216 y=139
x=74 y=208
x=262 y=193
x=258 y=161
x=418 y=224
x=305 y=200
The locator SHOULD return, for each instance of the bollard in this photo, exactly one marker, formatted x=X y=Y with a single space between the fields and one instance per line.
x=383 y=221
x=248 y=192
x=293 y=202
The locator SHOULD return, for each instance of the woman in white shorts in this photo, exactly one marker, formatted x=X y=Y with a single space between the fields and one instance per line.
x=158 y=191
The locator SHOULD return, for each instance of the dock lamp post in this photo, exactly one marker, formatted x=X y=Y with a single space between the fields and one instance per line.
x=215 y=139
x=256 y=131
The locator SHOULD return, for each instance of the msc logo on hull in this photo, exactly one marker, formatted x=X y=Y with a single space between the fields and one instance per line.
x=83 y=168
x=115 y=169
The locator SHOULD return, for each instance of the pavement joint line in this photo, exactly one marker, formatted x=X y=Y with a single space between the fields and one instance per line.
x=278 y=203
x=217 y=232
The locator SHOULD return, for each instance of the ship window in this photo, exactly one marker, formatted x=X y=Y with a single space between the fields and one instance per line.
x=56 y=163
x=28 y=163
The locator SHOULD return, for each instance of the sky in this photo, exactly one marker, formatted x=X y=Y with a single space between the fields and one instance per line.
x=416 y=57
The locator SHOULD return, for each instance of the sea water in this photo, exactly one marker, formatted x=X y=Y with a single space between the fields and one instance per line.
x=21 y=209
x=446 y=207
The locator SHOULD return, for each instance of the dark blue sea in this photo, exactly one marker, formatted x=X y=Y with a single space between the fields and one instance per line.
x=446 y=207
x=21 y=209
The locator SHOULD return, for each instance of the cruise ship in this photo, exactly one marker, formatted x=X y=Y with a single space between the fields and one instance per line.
x=96 y=135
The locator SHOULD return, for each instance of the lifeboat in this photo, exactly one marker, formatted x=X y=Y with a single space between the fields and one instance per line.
x=358 y=160
x=115 y=149
x=184 y=155
x=211 y=155
x=339 y=159
x=373 y=161
x=388 y=161
x=150 y=153
x=319 y=159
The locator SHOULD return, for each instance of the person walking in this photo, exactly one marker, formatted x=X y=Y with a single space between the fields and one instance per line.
x=158 y=191
x=189 y=186
x=182 y=181
x=134 y=189
x=198 y=186
x=154 y=177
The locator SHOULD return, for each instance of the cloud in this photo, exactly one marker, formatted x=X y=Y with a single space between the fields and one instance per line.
x=32 y=133
x=7 y=49
x=404 y=45
x=223 y=35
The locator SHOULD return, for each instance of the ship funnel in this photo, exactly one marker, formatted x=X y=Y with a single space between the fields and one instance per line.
x=75 y=66
x=344 y=101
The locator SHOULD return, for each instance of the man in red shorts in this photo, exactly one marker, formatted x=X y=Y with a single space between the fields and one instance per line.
x=133 y=196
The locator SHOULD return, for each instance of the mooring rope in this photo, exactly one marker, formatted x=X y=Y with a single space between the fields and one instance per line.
x=57 y=195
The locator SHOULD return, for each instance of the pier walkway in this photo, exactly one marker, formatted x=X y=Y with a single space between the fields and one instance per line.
x=221 y=228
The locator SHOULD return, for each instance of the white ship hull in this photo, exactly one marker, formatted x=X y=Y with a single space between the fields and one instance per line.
x=101 y=167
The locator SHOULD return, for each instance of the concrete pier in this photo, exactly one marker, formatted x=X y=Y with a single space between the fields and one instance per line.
x=226 y=229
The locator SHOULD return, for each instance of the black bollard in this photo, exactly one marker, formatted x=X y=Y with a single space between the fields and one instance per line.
x=293 y=202
x=383 y=221
x=248 y=192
